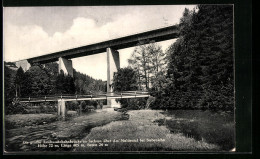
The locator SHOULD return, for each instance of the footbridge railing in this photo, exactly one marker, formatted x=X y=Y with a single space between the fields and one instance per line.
x=80 y=97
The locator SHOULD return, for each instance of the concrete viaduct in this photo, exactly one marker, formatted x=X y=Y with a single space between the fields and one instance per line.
x=111 y=47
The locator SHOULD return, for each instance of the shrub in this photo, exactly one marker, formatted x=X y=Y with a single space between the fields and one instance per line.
x=83 y=106
x=72 y=105
x=133 y=103
x=43 y=109
x=95 y=104
x=16 y=107
x=89 y=108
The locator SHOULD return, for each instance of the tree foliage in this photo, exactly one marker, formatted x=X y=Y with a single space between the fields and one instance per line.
x=37 y=82
x=41 y=80
x=19 y=77
x=65 y=84
x=85 y=84
x=148 y=60
x=200 y=71
x=9 y=88
x=125 y=79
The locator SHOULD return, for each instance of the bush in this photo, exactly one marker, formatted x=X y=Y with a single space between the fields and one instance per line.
x=83 y=106
x=87 y=106
x=133 y=103
x=72 y=105
x=16 y=107
x=95 y=104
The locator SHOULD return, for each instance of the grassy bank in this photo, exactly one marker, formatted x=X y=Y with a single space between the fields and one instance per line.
x=21 y=120
x=79 y=127
x=76 y=128
x=142 y=133
x=213 y=127
x=145 y=130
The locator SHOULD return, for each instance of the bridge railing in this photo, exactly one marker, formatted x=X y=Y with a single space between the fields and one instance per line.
x=92 y=96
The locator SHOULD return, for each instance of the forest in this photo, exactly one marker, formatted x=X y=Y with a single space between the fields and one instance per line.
x=196 y=72
x=42 y=80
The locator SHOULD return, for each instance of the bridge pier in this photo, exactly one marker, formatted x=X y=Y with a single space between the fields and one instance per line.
x=66 y=66
x=24 y=64
x=61 y=108
x=113 y=64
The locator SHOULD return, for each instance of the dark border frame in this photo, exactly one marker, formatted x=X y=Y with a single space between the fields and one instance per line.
x=243 y=67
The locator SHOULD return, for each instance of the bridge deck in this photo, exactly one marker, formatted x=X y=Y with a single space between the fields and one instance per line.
x=156 y=35
x=101 y=96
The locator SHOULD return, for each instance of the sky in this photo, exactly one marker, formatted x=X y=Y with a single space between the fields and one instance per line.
x=35 y=31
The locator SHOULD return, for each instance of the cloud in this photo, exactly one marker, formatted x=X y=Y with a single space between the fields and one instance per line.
x=26 y=41
x=18 y=41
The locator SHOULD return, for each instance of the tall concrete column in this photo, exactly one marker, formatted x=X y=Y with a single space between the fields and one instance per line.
x=61 y=108
x=24 y=64
x=66 y=66
x=113 y=64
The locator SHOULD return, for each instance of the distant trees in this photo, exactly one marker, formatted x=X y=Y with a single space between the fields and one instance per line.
x=53 y=72
x=65 y=84
x=46 y=80
x=200 y=71
x=42 y=80
x=85 y=84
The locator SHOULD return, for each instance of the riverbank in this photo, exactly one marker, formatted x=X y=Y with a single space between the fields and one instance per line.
x=22 y=120
x=75 y=128
x=142 y=132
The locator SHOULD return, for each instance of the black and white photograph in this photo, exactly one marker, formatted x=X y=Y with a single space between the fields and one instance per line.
x=123 y=78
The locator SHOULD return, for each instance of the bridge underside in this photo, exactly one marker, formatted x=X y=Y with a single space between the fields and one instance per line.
x=116 y=44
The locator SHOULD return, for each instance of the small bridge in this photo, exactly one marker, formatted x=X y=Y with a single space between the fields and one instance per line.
x=61 y=99
x=99 y=96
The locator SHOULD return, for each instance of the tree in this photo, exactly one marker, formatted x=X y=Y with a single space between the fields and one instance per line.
x=9 y=88
x=19 y=78
x=63 y=84
x=37 y=81
x=70 y=86
x=200 y=67
x=52 y=70
x=148 y=59
x=85 y=84
x=125 y=79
